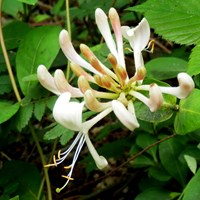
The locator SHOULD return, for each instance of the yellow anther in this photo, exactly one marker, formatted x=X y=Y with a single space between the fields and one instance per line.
x=151 y=43
x=67 y=177
x=67 y=167
x=59 y=154
x=128 y=49
x=50 y=165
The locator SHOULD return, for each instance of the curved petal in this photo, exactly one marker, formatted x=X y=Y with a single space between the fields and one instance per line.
x=103 y=26
x=71 y=54
x=126 y=117
x=139 y=36
x=63 y=85
x=68 y=114
x=47 y=80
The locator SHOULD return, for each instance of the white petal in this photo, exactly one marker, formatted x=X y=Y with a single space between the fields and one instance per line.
x=139 y=36
x=47 y=80
x=68 y=114
x=103 y=26
x=71 y=54
x=126 y=117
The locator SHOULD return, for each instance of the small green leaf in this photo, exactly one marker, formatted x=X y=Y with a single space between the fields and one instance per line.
x=159 y=173
x=142 y=161
x=193 y=68
x=40 y=46
x=191 y=162
x=31 y=2
x=15 y=198
x=39 y=109
x=192 y=190
x=9 y=109
x=23 y=116
x=188 y=116
x=59 y=131
x=169 y=152
x=172 y=19
x=165 y=68
x=5 y=84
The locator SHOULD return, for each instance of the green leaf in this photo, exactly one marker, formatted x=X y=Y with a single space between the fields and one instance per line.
x=39 y=109
x=169 y=152
x=9 y=109
x=142 y=161
x=193 y=68
x=174 y=20
x=188 y=116
x=144 y=140
x=14 y=33
x=165 y=68
x=153 y=194
x=31 y=2
x=23 y=116
x=40 y=46
x=192 y=190
x=15 y=198
x=159 y=173
x=5 y=84
x=24 y=175
x=59 y=131
x=13 y=9
x=191 y=162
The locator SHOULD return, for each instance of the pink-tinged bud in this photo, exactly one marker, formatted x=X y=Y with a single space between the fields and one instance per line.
x=155 y=98
x=110 y=84
x=112 y=60
x=47 y=80
x=121 y=74
x=63 y=85
x=79 y=71
x=83 y=84
x=93 y=104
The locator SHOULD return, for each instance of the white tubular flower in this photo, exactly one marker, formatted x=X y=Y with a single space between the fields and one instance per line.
x=69 y=115
x=47 y=80
x=138 y=38
x=127 y=117
x=186 y=85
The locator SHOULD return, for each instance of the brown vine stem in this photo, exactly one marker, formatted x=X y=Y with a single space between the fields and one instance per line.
x=126 y=162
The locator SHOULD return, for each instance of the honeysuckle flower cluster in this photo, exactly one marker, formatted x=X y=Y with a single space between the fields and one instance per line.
x=119 y=90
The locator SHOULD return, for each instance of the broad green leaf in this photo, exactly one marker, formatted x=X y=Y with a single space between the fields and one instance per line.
x=5 y=84
x=193 y=67
x=191 y=162
x=154 y=194
x=174 y=20
x=144 y=140
x=39 y=109
x=8 y=109
x=12 y=9
x=188 y=116
x=159 y=173
x=40 y=46
x=14 y=33
x=192 y=190
x=169 y=152
x=31 y=2
x=59 y=131
x=165 y=68
x=24 y=175
x=142 y=161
